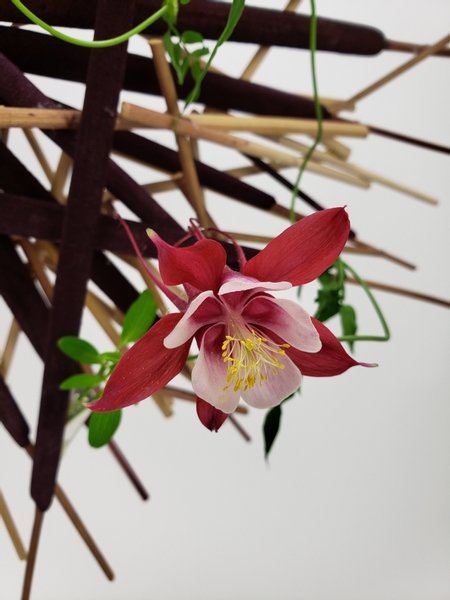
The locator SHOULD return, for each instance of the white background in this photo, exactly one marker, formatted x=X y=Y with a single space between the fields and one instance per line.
x=355 y=503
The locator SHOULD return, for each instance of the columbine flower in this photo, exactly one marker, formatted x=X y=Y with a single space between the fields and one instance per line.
x=251 y=345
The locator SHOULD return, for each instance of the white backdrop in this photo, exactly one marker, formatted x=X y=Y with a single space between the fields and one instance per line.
x=355 y=502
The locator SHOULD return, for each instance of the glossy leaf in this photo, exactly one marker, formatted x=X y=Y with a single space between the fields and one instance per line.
x=102 y=426
x=236 y=10
x=113 y=357
x=139 y=318
x=348 y=321
x=82 y=380
x=272 y=425
x=191 y=37
x=78 y=350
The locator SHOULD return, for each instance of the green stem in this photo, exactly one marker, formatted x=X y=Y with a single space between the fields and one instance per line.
x=317 y=107
x=96 y=43
x=367 y=338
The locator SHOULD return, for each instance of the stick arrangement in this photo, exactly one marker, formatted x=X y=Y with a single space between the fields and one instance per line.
x=54 y=239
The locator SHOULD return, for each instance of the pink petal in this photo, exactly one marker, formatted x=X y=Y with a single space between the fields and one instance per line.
x=303 y=251
x=236 y=282
x=285 y=318
x=211 y=417
x=331 y=360
x=275 y=389
x=200 y=265
x=209 y=376
x=144 y=369
x=204 y=310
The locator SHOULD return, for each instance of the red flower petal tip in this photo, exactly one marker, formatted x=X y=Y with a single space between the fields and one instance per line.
x=211 y=417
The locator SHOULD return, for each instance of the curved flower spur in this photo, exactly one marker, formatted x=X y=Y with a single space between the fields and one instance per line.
x=251 y=345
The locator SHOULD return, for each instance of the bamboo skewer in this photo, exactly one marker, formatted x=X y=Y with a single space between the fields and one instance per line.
x=60 y=177
x=31 y=561
x=12 y=529
x=42 y=159
x=262 y=51
x=10 y=346
x=168 y=90
x=356 y=171
x=163 y=121
x=80 y=527
x=427 y=51
x=384 y=287
x=278 y=125
x=191 y=397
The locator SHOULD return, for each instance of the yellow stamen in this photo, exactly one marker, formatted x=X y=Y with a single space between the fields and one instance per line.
x=251 y=357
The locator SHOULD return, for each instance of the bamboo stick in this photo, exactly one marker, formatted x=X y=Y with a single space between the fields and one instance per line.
x=102 y=318
x=42 y=159
x=47 y=118
x=160 y=186
x=384 y=287
x=60 y=177
x=31 y=561
x=168 y=90
x=10 y=346
x=80 y=527
x=36 y=265
x=262 y=51
x=134 y=262
x=336 y=148
x=78 y=524
x=12 y=529
x=427 y=51
x=191 y=397
x=356 y=171
x=279 y=125
x=163 y=121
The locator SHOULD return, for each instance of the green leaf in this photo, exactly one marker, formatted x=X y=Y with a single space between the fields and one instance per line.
x=139 y=317
x=174 y=52
x=196 y=71
x=348 y=321
x=113 y=357
x=329 y=304
x=272 y=425
x=200 y=52
x=236 y=10
x=83 y=380
x=78 y=349
x=191 y=37
x=171 y=15
x=102 y=427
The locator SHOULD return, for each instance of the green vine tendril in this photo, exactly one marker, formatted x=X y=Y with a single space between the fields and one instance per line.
x=164 y=11
x=365 y=338
x=317 y=107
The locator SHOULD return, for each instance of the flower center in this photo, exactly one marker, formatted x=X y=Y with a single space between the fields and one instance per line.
x=251 y=357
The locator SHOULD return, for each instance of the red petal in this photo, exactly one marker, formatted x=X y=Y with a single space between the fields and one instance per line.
x=303 y=251
x=331 y=360
x=200 y=265
x=211 y=417
x=144 y=369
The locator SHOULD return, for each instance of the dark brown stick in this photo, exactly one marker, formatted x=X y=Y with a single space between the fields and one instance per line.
x=105 y=74
x=80 y=527
x=32 y=553
x=128 y=470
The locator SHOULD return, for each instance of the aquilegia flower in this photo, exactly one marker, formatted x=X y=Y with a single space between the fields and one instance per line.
x=251 y=345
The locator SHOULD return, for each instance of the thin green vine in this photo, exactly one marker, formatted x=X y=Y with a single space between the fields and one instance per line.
x=366 y=338
x=164 y=11
x=317 y=107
